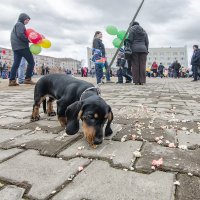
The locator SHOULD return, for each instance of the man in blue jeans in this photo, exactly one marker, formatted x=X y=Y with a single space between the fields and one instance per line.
x=21 y=71
x=20 y=47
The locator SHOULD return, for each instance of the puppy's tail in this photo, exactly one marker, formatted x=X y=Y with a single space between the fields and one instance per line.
x=44 y=104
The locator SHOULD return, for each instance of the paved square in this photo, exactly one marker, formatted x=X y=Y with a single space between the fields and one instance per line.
x=158 y=120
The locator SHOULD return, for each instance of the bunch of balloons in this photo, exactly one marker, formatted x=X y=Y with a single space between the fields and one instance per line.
x=38 y=41
x=112 y=30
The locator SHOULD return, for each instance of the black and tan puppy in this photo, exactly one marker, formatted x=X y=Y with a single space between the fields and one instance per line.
x=76 y=99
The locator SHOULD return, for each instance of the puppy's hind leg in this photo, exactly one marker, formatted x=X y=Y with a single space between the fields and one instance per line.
x=61 y=107
x=50 y=110
x=36 y=106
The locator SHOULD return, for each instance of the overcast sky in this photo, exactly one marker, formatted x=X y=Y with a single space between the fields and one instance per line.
x=70 y=24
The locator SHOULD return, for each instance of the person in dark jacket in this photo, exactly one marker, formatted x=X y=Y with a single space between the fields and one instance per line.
x=139 y=46
x=195 y=62
x=160 y=70
x=20 y=47
x=98 y=44
x=123 y=67
x=176 y=67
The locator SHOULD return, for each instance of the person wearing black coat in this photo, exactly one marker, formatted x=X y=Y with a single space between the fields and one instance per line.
x=20 y=47
x=139 y=45
x=195 y=62
x=160 y=70
x=176 y=67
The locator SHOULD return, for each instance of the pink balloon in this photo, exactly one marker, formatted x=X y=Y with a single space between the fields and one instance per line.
x=35 y=37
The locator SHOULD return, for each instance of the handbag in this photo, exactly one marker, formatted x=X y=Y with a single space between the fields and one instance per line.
x=127 y=49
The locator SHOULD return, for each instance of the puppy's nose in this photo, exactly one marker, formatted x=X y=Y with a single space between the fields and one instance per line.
x=97 y=141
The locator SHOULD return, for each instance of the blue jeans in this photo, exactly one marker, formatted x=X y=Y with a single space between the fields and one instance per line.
x=99 y=72
x=18 y=54
x=21 y=70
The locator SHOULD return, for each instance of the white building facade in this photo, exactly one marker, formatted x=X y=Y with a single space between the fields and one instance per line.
x=164 y=55
x=167 y=56
x=51 y=62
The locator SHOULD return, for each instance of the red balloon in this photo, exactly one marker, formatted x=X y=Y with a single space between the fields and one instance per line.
x=35 y=37
x=28 y=31
x=3 y=51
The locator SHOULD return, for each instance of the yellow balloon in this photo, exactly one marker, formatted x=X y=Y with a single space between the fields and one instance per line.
x=45 y=43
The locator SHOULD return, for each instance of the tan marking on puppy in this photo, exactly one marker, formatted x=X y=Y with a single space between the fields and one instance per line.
x=109 y=116
x=50 y=107
x=89 y=133
x=42 y=99
x=63 y=121
x=35 y=112
x=106 y=116
x=96 y=116
x=80 y=114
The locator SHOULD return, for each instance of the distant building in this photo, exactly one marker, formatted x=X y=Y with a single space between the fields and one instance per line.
x=166 y=56
x=51 y=62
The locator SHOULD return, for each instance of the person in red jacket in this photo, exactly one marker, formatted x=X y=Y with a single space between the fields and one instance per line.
x=154 y=68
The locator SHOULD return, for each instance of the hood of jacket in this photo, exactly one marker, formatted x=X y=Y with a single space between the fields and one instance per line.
x=138 y=29
x=23 y=17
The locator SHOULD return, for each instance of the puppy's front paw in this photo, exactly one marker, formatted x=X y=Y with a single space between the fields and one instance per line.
x=51 y=114
x=36 y=118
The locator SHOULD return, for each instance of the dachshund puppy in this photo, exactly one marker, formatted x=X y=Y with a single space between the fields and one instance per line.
x=76 y=99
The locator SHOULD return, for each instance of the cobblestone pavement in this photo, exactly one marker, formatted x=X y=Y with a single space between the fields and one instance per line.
x=153 y=153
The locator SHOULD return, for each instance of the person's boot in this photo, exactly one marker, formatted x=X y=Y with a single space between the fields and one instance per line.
x=13 y=83
x=29 y=81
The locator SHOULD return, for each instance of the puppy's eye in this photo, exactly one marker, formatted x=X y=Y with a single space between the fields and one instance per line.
x=90 y=117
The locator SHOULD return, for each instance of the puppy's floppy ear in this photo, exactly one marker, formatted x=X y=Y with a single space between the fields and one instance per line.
x=109 y=116
x=73 y=114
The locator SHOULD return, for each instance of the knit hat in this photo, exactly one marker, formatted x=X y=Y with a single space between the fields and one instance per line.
x=134 y=23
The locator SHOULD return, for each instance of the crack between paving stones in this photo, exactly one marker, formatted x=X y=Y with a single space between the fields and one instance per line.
x=66 y=183
x=11 y=157
x=23 y=184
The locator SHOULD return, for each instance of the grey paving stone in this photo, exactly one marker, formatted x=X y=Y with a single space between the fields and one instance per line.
x=6 y=108
x=7 y=134
x=18 y=114
x=7 y=103
x=44 y=174
x=46 y=125
x=99 y=181
x=5 y=154
x=11 y=192
x=189 y=187
x=115 y=128
x=120 y=153
x=29 y=137
x=11 y=122
x=52 y=146
x=147 y=131
x=188 y=139
x=174 y=159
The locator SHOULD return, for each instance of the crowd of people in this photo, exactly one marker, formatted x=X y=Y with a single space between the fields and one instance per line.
x=175 y=70
x=131 y=59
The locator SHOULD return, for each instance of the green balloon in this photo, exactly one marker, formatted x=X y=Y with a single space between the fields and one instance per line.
x=35 y=49
x=112 y=30
x=121 y=34
x=116 y=42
